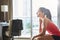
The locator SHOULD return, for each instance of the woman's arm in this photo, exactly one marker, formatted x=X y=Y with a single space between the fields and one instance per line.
x=43 y=29
x=45 y=23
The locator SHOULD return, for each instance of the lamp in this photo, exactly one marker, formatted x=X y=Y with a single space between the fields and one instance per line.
x=4 y=8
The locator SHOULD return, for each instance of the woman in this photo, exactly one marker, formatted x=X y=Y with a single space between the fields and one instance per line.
x=46 y=24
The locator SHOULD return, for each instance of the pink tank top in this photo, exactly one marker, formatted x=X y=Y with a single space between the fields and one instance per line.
x=52 y=29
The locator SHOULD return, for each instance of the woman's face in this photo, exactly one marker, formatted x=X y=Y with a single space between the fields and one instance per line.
x=40 y=14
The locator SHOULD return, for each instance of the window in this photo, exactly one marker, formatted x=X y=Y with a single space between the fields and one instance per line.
x=22 y=10
x=36 y=4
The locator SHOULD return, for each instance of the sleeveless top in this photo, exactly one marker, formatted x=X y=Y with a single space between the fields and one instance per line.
x=51 y=28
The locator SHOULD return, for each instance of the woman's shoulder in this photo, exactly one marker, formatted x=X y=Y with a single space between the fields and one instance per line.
x=51 y=23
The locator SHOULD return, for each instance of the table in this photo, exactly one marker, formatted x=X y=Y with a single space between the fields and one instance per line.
x=2 y=24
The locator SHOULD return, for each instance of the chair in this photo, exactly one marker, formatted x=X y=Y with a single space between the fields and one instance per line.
x=15 y=27
x=44 y=37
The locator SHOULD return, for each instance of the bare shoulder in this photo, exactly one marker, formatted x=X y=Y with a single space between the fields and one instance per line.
x=48 y=20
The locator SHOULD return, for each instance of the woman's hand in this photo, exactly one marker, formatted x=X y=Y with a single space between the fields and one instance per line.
x=33 y=37
x=39 y=35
